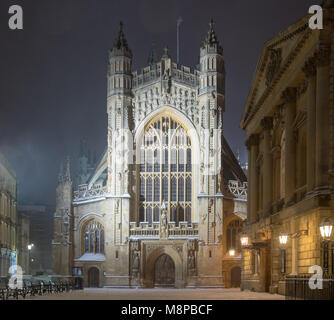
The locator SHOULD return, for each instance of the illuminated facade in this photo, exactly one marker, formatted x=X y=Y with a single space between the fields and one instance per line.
x=153 y=211
x=289 y=123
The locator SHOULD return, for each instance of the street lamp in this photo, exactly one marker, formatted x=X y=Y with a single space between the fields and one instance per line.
x=29 y=246
x=326 y=229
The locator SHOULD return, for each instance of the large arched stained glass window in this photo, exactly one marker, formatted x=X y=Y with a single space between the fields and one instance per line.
x=165 y=171
x=94 y=238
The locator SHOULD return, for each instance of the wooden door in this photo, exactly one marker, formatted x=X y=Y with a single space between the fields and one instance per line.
x=236 y=277
x=93 y=277
x=164 y=272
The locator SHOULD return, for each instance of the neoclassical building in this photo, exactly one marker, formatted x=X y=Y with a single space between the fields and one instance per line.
x=289 y=119
x=165 y=203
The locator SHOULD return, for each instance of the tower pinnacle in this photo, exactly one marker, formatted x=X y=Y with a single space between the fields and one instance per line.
x=121 y=45
x=211 y=39
x=152 y=58
x=166 y=52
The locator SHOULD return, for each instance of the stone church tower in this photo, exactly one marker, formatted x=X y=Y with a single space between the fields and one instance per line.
x=153 y=211
x=63 y=223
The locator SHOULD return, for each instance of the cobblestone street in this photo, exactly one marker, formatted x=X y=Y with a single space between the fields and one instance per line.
x=159 y=294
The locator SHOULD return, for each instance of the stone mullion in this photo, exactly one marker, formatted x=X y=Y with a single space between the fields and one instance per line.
x=160 y=173
x=169 y=180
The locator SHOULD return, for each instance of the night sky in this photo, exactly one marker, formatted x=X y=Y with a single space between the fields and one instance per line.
x=53 y=73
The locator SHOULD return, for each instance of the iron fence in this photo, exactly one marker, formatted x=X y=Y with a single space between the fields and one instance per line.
x=298 y=288
x=38 y=288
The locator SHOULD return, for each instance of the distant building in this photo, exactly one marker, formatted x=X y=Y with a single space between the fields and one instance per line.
x=289 y=119
x=8 y=217
x=41 y=233
x=23 y=232
x=170 y=213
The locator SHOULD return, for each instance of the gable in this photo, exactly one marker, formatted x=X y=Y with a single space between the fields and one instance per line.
x=277 y=55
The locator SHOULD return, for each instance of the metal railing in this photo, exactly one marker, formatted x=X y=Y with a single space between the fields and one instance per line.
x=298 y=288
x=39 y=288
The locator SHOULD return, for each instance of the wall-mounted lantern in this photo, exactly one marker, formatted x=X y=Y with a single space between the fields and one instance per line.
x=232 y=252
x=283 y=238
x=244 y=241
x=326 y=228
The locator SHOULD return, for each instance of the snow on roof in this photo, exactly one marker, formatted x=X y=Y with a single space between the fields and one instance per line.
x=92 y=257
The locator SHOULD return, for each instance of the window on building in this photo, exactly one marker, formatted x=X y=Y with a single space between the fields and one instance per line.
x=94 y=238
x=302 y=156
x=232 y=235
x=165 y=171
x=253 y=261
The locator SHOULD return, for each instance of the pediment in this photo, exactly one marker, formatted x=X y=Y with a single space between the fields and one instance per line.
x=277 y=55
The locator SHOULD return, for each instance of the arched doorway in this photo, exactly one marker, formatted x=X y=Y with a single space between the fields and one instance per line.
x=164 y=272
x=93 y=277
x=236 y=277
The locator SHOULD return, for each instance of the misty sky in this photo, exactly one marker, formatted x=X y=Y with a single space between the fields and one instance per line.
x=53 y=73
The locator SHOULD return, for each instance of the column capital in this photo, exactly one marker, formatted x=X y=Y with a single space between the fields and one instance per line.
x=309 y=68
x=267 y=123
x=253 y=140
x=289 y=95
x=322 y=56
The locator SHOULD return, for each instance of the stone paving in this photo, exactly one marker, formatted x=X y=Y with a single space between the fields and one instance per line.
x=159 y=294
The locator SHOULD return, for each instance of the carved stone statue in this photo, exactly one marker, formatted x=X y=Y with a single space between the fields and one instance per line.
x=136 y=263
x=167 y=81
x=163 y=222
x=274 y=64
x=191 y=261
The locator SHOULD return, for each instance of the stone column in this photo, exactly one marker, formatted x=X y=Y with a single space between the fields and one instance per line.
x=253 y=145
x=289 y=97
x=249 y=177
x=310 y=71
x=322 y=117
x=267 y=125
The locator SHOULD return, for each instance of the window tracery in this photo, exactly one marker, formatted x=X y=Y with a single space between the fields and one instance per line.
x=165 y=171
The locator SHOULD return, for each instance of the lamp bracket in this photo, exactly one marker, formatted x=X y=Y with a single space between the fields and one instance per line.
x=299 y=234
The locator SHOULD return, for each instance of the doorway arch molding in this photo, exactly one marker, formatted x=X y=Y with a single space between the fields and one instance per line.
x=148 y=272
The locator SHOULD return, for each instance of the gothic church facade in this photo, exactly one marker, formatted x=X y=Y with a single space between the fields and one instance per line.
x=157 y=208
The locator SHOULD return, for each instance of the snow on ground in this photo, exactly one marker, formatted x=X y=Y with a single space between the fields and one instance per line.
x=159 y=294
